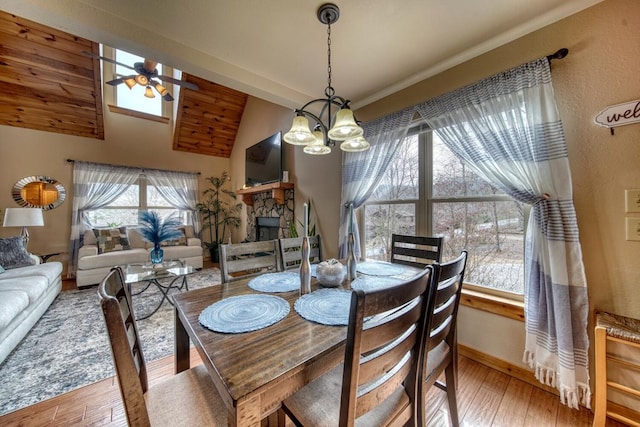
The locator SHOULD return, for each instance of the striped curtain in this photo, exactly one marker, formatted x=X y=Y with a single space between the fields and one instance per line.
x=94 y=185
x=362 y=171
x=507 y=129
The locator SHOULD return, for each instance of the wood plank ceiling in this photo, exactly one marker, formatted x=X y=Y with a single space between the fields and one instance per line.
x=208 y=118
x=46 y=83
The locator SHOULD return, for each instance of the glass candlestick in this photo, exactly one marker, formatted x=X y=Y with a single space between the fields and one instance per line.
x=305 y=268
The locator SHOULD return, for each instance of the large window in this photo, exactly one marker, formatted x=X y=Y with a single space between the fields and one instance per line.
x=124 y=210
x=428 y=191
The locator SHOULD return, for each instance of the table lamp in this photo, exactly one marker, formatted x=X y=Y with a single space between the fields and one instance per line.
x=23 y=217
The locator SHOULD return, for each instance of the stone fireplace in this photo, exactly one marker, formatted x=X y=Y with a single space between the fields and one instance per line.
x=266 y=218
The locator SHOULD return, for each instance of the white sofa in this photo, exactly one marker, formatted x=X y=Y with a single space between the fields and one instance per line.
x=93 y=267
x=25 y=294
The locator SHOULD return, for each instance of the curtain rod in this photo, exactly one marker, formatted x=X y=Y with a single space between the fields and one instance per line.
x=132 y=167
x=560 y=53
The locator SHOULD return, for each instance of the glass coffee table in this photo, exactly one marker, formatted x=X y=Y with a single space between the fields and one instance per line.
x=175 y=271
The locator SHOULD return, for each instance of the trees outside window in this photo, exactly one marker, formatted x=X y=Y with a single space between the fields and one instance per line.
x=428 y=191
x=124 y=210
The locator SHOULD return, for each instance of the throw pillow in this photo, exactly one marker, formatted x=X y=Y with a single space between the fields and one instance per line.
x=180 y=241
x=13 y=254
x=111 y=239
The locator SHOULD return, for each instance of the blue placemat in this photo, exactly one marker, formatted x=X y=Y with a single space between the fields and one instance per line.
x=372 y=283
x=378 y=268
x=244 y=313
x=325 y=306
x=284 y=281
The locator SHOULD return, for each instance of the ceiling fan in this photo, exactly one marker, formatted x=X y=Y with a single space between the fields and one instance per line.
x=147 y=75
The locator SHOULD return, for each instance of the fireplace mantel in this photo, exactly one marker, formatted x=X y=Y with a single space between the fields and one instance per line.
x=277 y=190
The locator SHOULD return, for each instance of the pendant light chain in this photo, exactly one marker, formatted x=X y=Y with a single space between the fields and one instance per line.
x=330 y=91
x=340 y=126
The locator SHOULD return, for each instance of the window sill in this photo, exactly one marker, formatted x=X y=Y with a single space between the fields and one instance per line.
x=138 y=114
x=493 y=304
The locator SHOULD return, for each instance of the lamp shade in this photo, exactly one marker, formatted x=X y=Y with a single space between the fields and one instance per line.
x=317 y=147
x=148 y=92
x=23 y=217
x=345 y=126
x=300 y=134
x=130 y=83
x=355 y=144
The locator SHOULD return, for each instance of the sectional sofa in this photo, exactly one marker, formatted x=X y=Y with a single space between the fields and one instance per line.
x=25 y=294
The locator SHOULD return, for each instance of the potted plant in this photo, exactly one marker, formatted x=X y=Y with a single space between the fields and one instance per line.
x=219 y=210
x=156 y=230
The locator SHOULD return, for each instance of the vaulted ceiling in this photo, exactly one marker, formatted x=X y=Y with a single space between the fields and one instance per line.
x=276 y=50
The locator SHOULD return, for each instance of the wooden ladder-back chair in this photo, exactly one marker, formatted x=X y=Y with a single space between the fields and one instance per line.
x=186 y=399
x=291 y=251
x=416 y=251
x=441 y=352
x=250 y=259
x=377 y=384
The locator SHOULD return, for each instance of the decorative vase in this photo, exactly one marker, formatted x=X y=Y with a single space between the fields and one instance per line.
x=156 y=254
x=330 y=273
x=305 y=268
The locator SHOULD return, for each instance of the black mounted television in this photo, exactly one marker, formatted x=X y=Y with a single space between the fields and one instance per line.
x=264 y=161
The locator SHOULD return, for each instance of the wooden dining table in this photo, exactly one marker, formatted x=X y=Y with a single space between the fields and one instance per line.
x=255 y=371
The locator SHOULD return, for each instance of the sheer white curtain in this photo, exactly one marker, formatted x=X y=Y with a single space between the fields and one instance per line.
x=94 y=185
x=507 y=129
x=362 y=171
x=180 y=189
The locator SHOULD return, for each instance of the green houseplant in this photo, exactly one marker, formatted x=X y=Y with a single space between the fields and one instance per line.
x=219 y=210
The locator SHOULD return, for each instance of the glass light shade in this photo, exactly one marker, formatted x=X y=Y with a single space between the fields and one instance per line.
x=317 y=147
x=148 y=92
x=355 y=144
x=142 y=80
x=130 y=83
x=345 y=126
x=300 y=134
x=161 y=89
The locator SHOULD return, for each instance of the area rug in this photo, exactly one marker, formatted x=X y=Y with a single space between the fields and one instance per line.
x=68 y=348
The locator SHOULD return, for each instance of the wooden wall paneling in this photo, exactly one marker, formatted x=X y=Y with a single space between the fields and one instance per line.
x=47 y=82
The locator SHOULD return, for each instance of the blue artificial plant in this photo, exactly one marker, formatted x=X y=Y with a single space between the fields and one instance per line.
x=155 y=230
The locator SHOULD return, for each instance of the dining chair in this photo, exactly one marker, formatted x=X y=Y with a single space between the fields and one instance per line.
x=377 y=383
x=441 y=340
x=188 y=398
x=416 y=251
x=291 y=251
x=249 y=259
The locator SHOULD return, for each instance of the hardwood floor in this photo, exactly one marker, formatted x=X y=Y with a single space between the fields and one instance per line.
x=486 y=397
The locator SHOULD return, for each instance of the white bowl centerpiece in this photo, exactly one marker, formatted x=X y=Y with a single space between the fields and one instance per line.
x=330 y=273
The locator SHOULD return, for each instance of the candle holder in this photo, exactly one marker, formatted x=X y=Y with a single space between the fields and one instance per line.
x=305 y=268
x=352 y=264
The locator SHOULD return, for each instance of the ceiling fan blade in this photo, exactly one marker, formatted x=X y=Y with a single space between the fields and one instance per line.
x=108 y=60
x=167 y=97
x=116 y=82
x=182 y=83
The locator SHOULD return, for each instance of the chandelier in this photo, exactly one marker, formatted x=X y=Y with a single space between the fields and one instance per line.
x=341 y=125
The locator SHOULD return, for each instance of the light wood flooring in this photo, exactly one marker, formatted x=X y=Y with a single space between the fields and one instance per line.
x=486 y=397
